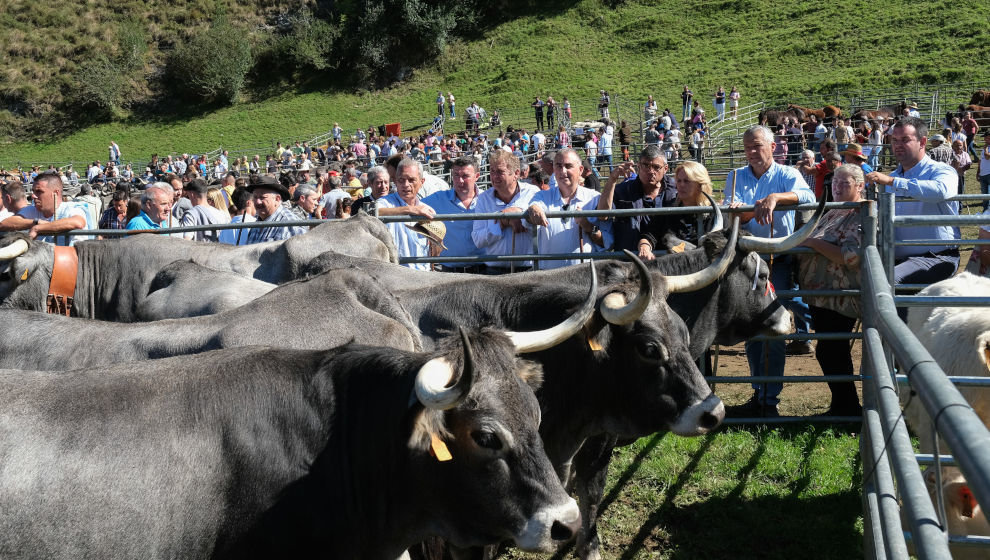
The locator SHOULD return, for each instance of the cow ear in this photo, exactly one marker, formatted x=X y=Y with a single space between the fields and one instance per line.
x=530 y=372
x=427 y=426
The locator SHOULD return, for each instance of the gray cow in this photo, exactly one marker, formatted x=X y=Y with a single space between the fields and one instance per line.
x=315 y=313
x=273 y=453
x=113 y=276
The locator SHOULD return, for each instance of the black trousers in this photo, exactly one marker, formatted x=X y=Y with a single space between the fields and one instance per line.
x=835 y=356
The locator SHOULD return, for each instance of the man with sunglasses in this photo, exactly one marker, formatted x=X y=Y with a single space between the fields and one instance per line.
x=647 y=185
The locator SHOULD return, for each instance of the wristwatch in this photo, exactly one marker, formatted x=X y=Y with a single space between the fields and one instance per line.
x=35 y=222
x=594 y=229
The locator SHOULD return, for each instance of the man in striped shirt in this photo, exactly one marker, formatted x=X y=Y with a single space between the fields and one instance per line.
x=268 y=196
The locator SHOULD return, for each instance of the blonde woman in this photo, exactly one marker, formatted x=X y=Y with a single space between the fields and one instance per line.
x=693 y=182
x=215 y=199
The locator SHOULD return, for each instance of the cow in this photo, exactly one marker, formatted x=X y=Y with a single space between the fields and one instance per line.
x=958 y=338
x=773 y=118
x=114 y=275
x=352 y=452
x=313 y=313
x=980 y=97
x=981 y=114
x=871 y=115
x=187 y=289
x=826 y=114
x=732 y=309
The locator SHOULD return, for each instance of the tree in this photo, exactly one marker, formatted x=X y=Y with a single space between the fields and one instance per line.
x=211 y=66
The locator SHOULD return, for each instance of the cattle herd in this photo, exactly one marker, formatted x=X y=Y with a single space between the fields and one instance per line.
x=312 y=396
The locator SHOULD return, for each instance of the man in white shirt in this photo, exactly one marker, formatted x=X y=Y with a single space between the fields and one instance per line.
x=507 y=195
x=405 y=201
x=567 y=235
x=49 y=215
x=201 y=213
x=12 y=199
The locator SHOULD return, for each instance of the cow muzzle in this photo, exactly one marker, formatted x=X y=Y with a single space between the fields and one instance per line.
x=700 y=418
x=550 y=527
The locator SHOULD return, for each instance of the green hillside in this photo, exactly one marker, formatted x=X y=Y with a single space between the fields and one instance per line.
x=771 y=50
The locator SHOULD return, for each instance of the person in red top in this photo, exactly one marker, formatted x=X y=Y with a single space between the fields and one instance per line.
x=970 y=128
x=821 y=169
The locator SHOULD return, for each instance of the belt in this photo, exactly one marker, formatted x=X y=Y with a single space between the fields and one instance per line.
x=470 y=269
x=948 y=252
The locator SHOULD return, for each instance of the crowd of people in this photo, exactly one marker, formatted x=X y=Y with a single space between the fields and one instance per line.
x=533 y=174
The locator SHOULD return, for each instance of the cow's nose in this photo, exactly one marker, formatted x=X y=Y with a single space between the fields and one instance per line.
x=564 y=531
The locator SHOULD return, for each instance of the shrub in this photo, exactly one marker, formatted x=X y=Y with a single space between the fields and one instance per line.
x=211 y=66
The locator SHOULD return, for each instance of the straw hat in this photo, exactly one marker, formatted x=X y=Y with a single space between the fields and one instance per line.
x=854 y=150
x=434 y=231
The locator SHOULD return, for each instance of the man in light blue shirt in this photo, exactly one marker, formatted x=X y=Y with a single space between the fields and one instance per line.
x=765 y=184
x=405 y=201
x=461 y=199
x=507 y=195
x=567 y=235
x=929 y=183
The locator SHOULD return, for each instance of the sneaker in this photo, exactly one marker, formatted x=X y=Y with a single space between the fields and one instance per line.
x=799 y=348
x=752 y=408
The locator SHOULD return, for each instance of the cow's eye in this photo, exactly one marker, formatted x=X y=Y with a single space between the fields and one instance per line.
x=488 y=440
x=654 y=351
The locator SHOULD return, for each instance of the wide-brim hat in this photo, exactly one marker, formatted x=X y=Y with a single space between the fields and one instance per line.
x=937 y=138
x=854 y=150
x=912 y=105
x=267 y=182
x=434 y=231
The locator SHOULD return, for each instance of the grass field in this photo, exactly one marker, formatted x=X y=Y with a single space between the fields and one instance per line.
x=574 y=48
x=741 y=493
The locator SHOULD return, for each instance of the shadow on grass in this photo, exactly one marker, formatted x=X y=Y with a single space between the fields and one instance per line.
x=733 y=526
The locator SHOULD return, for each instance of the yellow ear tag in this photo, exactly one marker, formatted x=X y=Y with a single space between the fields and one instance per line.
x=593 y=344
x=25 y=275
x=678 y=248
x=439 y=449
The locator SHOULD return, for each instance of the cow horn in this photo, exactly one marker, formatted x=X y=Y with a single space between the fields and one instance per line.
x=711 y=273
x=434 y=377
x=769 y=245
x=14 y=250
x=615 y=310
x=717 y=222
x=541 y=340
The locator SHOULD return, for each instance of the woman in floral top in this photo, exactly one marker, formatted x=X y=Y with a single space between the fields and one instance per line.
x=835 y=266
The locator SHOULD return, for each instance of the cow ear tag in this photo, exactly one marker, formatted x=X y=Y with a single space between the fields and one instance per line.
x=592 y=343
x=678 y=248
x=439 y=449
x=25 y=275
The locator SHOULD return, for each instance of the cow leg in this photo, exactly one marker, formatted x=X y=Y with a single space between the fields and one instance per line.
x=590 y=469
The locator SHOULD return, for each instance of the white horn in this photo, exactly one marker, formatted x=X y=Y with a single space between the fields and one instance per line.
x=548 y=338
x=718 y=223
x=614 y=308
x=14 y=250
x=434 y=378
x=698 y=280
x=765 y=245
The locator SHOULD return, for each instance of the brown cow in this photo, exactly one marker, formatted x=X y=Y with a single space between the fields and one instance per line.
x=980 y=113
x=826 y=114
x=772 y=118
x=980 y=97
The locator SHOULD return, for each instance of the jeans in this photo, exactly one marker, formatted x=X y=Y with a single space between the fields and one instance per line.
x=924 y=269
x=720 y=112
x=603 y=159
x=985 y=188
x=767 y=358
x=453 y=115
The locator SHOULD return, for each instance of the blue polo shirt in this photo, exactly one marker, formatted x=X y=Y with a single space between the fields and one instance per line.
x=142 y=221
x=777 y=179
x=458 y=239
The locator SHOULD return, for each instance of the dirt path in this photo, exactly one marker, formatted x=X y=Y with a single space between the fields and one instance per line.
x=797 y=399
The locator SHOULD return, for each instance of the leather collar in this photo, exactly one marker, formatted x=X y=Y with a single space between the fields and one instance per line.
x=63 y=285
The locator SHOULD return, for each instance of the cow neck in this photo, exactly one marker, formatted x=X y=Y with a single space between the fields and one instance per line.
x=62 y=288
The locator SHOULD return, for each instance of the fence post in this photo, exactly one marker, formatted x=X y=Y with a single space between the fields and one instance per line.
x=886 y=218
